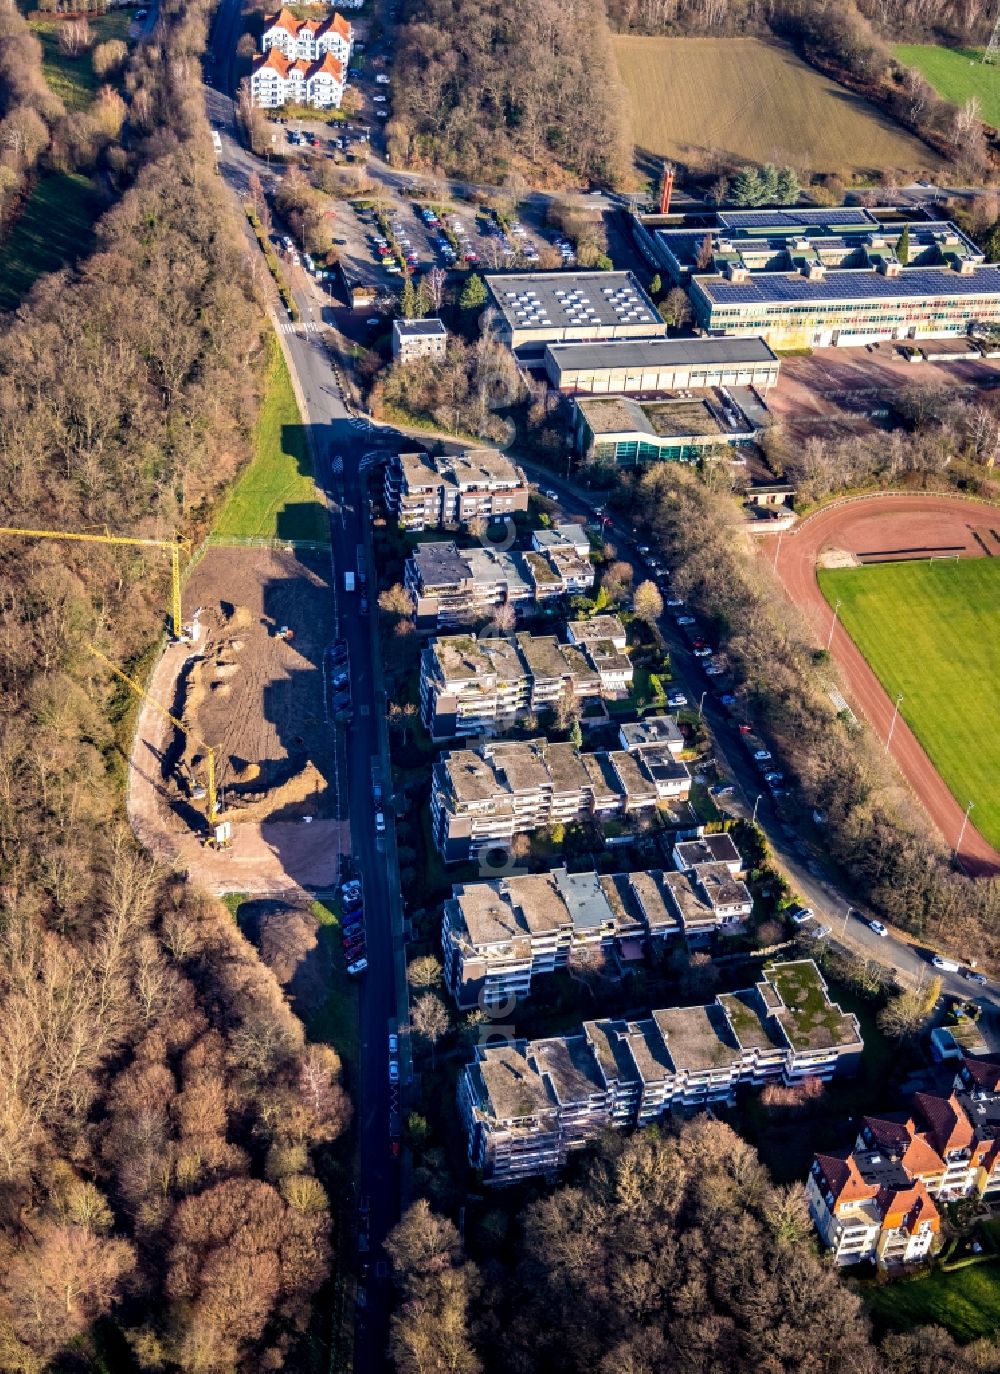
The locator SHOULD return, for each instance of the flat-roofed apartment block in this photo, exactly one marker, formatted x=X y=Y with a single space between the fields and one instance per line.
x=412 y=339
x=621 y=1073
x=424 y=491
x=708 y=849
x=497 y=936
x=623 y=367
x=481 y=798
x=827 y=277
x=452 y=586
x=539 y=308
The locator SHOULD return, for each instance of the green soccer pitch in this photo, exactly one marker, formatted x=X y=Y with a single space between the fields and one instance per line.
x=931 y=631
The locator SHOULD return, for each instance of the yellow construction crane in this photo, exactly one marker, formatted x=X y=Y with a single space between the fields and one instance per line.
x=140 y=691
x=174 y=545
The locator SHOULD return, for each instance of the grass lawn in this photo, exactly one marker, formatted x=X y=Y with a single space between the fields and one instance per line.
x=73 y=78
x=966 y=1301
x=752 y=99
x=276 y=497
x=55 y=228
x=956 y=74
x=932 y=632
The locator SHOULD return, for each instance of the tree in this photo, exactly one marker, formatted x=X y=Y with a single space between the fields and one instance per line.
x=74 y=37
x=768 y=181
x=474 y=294
x=787 y=187
x=909 y=1011
x=655 y=287
x=504 y=617
x=396 y=600
x=353 y=102
x=616 y=581
x=675 y=309
x=430 y=1020
x=108 y=58
x=647 y=603
x=425 y=971
x=410 y=300
x=746 y=187
x=434 y=283
x=706 y=254
x=903 y=246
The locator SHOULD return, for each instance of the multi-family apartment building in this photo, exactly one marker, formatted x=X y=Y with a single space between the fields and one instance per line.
x=878 y=1201
x=452 y=586
x=526 y=1105
x=481 y=798
x=484 y=686
x=498 y=936
x=308 y=40
x=415 y=339
x=276 y=80
x=424 y=491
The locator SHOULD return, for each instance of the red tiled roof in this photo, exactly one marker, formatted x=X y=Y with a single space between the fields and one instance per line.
x=908 y=1207
x=920 y=1159
x=948 y=1126
x=843 y=1179
x=274 y=58
x=330 y=64
x=890 y=1136
x=284 y=19
x=985 y=1073
x=340 y=25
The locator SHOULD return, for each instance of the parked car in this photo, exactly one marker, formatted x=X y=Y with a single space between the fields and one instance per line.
x=762 y=755
x=381 y=79
x=685 y=620
x=878 y=928
x=974 y=977
x=774 y=776
x=393 y=1071
x=359 y=966
x=393 y=1044
x=676 y=699
x=702 y=652
x=804 y=913
x=714 y=669
x=674 y=601
x=379 y=823
x=945 y=965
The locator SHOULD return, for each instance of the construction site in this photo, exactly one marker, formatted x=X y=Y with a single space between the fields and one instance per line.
x=234 y=766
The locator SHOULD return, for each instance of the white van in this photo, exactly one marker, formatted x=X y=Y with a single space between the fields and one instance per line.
x=945 y=965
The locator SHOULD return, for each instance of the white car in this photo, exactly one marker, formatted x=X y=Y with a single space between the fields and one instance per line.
x=359 y=966
x=382 y=79
x=379 y=823
x=549 y=494
x=762 y=755
x=393 y=1044
x=878 y=928
x=379 y=99
x=804 y=914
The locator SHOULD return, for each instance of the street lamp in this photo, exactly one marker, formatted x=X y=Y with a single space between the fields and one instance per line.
x=833 y=625
x=892 y=723
x=961 y=833
x=753 y=818
x=701 y=703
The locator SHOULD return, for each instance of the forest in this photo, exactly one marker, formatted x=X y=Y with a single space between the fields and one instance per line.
x=488 y=93
x=669 y=1250
x=162 y=1117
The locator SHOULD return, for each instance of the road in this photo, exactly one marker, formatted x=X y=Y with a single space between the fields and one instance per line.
x=339 y=445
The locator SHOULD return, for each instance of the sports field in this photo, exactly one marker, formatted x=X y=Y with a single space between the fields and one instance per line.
x=956 y=74
x=753 y=100
x=931 y=631
x=276 y=497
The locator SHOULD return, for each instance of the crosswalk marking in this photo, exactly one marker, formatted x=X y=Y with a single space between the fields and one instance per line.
x=306 y=327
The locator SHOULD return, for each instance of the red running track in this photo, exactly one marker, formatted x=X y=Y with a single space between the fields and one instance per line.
x=886 y=523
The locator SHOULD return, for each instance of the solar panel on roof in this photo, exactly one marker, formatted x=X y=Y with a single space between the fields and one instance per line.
x=857 y=285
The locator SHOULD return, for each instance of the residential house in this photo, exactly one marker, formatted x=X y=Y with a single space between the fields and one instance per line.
x=454 y=587
x=878 y=1201
x=424 y=491
x=275 y=81
x=413 y=339
x=481 y=798
x=308 y=40
x=526 y=1106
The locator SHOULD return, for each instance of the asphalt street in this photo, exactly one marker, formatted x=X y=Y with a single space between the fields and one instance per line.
x=339 y=444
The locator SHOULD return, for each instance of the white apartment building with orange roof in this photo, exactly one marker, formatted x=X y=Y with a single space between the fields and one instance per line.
x=276 y=81
x=308 y=40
